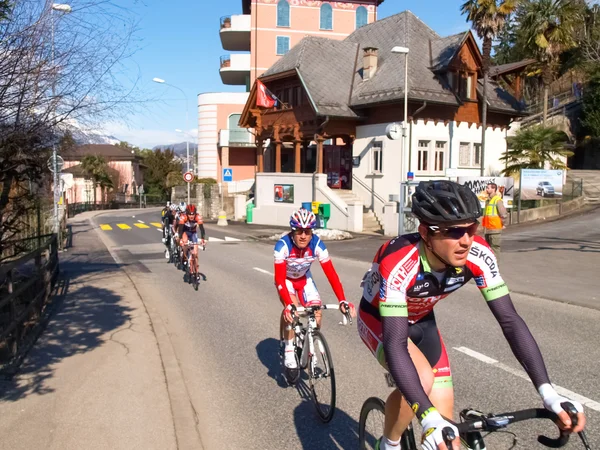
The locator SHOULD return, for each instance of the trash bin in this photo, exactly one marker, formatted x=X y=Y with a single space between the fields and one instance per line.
x=325 y=212
x=249 y=212
x=307 y=205
x=320 y=221
x=315 y=207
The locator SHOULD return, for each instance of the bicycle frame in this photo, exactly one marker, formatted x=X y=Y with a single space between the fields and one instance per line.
x=304 y=333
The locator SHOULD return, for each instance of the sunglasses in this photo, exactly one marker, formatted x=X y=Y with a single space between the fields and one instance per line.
x=455 y=232
x=301 y=231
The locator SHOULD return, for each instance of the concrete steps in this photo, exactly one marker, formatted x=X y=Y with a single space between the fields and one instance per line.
x=370 y=220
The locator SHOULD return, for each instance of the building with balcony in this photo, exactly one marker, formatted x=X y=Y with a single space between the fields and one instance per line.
x=256 y=39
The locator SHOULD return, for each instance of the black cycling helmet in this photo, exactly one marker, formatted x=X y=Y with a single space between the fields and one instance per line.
x=444 y=202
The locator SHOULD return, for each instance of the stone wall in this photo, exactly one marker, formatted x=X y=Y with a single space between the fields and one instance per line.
x=207 y=199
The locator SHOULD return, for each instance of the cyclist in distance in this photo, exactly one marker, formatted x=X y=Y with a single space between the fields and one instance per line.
x=409 y=275
x=294 y=254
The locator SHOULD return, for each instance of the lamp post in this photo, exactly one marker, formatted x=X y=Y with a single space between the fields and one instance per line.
x=65 y=9
x=195 y=159
x=404 y=50
x=161 y=81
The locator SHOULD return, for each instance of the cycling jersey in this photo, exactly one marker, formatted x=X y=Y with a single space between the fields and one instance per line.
x=294 y=263
x=400 y=290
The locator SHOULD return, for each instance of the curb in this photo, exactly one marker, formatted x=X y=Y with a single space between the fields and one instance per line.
x=182 y=411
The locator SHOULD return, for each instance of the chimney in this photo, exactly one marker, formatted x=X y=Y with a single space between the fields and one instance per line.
x=369 y=62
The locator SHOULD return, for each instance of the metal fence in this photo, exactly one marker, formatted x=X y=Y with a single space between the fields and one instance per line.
x=25 y=288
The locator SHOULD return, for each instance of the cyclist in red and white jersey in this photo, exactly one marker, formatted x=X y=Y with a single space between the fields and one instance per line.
x=409 y=275
x=294 y=254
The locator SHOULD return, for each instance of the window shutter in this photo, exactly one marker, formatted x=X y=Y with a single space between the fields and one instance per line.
x=362 y=17
x=326 y=17
x=283 y=13
x=283 y=45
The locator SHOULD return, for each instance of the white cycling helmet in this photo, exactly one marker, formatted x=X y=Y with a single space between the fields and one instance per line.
x=182 y=207
x=303 y=218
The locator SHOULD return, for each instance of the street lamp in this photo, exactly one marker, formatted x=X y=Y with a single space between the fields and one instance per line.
x=65 y=9
x=404 y=50
x=195 y=159
x=161 y=81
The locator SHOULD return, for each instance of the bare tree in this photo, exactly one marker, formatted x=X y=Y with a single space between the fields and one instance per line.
x=56 y=70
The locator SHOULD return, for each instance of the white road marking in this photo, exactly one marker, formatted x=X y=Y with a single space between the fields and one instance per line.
x=214 y=239
x=231 y=239
x=141 y=221
x=258 y=269
x=592 y=404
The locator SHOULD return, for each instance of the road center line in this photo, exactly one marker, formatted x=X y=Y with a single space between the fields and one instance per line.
x=521 y=374
x=258 y=269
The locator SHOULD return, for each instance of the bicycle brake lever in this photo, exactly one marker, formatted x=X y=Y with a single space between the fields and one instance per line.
x=448 y=436
x=584 y=440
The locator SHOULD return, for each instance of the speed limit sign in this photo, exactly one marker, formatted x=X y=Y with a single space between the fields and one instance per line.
x=188 y=177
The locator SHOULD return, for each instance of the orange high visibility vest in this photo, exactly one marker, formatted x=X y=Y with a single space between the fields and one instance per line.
x=491 y=219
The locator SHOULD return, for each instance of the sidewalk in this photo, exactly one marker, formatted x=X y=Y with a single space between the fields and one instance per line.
x=94 y=379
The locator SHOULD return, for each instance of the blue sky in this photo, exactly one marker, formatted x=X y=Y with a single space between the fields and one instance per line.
x=179 y=42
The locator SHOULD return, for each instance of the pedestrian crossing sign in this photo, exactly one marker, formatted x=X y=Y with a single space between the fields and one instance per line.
x=227 y=174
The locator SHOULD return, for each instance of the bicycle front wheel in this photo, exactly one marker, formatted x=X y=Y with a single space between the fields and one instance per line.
x=372 y=420
x=322 y=378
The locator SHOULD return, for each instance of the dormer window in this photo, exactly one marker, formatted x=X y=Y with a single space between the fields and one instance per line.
x=463 y=84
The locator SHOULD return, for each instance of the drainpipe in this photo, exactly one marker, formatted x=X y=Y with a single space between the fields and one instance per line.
x=314 y=178
x=410 y=125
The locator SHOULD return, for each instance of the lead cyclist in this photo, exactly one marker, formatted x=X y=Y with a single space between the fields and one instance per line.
x=409 y=275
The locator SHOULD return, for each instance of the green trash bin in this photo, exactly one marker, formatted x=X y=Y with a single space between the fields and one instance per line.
x=325 y=213
x=249 y=212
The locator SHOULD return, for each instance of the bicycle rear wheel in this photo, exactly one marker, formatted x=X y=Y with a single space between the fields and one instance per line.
x=370 y=426
x=321 y=377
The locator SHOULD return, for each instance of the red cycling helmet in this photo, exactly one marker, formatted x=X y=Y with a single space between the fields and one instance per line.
x=191 y=209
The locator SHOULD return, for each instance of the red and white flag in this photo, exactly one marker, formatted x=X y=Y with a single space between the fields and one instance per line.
x=264 y=97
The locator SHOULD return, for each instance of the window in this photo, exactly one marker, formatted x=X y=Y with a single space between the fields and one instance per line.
x=326 y=17
x=423 y=156
x=377 y=157
x=283 y=13
x=469 y=155
x=439 y=156
x=466 y=86
x=283 y=45
x=362 y=16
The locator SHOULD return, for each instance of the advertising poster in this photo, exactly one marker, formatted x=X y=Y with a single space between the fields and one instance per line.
x=284 y=193
x=537 y=184
x=506 y=187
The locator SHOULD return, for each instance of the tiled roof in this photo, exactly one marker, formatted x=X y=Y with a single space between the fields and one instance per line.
x=506 y=68
x=109 y=152
x=332 y=74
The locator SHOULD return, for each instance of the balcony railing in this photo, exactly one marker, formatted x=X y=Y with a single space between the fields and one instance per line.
x=225 y=61
x=235 y=32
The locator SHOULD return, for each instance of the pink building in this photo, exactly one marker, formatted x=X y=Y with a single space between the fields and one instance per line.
x=265 y=31
x=125 y=169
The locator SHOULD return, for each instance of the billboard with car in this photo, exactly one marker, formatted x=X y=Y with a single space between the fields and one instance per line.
x=537 y=184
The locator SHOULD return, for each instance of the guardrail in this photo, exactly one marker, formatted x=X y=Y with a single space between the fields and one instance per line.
x=25 y=288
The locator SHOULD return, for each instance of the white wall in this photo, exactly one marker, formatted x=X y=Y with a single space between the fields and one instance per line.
x=269 y=212
x=388 y=181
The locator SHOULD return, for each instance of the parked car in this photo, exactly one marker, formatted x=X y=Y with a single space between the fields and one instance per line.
x=545 y=189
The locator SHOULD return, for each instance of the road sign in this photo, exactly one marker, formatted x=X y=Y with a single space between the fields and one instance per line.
x=410 y=176
x=188 y=177
x=59 y=162
x=227 y=174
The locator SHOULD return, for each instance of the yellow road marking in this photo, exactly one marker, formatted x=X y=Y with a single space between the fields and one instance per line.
x=141 y=225
x=124 y=226
x=156 y=224
x=105 y=227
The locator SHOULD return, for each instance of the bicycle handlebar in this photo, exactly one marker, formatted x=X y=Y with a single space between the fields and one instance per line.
x=495 y=422
x=312 y=309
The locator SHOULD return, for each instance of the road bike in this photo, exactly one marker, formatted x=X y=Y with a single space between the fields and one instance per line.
x=472 y=424
x=191 y=268
x=313 y=355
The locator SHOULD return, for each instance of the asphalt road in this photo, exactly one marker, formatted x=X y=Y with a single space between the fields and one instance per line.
x=225 y=337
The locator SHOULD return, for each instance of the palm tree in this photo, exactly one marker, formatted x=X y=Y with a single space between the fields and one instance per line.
x=487 y=18
x=549 y=28
x=534 y=148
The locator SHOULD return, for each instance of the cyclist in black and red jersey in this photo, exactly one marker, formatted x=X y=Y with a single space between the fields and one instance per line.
x=409 y=275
